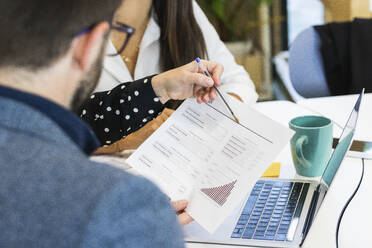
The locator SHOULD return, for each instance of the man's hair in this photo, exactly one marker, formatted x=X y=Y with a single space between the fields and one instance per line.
x=35 y=33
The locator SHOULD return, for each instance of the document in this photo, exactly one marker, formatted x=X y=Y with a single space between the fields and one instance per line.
x=201 y=154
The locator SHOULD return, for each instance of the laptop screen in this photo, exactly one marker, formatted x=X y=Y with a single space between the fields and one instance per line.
x=343 y=145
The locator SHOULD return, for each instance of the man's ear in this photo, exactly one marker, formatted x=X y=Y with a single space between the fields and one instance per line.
x=87 y=47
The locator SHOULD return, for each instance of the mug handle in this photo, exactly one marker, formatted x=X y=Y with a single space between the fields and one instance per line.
x=299 y=144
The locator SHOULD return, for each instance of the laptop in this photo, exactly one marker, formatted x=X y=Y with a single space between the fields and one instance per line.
x=278 y=213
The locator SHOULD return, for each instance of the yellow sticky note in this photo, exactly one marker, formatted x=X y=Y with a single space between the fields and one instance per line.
x=272 y=171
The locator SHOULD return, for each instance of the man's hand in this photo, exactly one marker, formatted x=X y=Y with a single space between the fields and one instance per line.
x=183 y=217
x=188 y=81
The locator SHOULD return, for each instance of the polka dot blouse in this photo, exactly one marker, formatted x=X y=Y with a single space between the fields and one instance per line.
x=116 y=113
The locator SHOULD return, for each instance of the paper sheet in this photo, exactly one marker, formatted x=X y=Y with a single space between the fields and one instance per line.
x=119 y=162
x=201 y=154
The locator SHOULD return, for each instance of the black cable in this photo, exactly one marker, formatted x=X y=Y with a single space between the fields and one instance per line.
x=347 y=204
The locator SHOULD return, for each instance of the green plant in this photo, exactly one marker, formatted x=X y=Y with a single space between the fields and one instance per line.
x=234 y=19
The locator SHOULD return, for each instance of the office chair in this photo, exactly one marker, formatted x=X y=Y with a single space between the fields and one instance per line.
x=282 y=68
x=306 y=65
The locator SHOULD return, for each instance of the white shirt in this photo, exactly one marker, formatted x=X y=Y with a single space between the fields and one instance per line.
x=234 y=79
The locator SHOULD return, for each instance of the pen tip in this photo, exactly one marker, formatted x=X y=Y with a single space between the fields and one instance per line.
x=197 y=60
x=236 y=119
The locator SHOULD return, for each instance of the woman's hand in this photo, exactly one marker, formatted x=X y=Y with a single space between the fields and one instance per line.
x=180 y=207
x=188 y=81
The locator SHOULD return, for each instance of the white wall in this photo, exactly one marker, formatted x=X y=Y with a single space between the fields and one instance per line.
x=303 y=14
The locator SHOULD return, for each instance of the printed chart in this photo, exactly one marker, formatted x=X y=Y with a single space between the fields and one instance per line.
x=219 y=194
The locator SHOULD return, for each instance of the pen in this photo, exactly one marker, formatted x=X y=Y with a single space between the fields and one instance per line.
x=205 y=71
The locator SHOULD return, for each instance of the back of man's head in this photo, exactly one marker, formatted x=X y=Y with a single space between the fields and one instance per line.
x=36 y=33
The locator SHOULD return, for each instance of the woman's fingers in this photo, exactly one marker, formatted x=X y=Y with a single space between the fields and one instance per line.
x=212 y=94
x=215 y=69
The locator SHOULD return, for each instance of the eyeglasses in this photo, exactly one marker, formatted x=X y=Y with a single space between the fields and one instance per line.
x=117 y=26
x=122 y=28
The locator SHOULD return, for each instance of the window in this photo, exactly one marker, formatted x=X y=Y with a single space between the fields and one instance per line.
x=303 y=14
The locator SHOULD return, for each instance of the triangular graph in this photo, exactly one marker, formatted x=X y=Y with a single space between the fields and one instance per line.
x=219 y=194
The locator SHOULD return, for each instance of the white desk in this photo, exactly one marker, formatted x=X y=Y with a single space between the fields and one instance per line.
x=338 y=108
x=355 y=227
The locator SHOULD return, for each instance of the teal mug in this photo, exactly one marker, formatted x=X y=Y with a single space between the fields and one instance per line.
x=311 y=146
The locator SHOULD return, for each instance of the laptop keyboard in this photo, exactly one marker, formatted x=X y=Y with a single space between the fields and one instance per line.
x=270 y=209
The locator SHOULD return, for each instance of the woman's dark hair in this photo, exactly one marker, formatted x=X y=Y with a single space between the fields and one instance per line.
x=181 y=39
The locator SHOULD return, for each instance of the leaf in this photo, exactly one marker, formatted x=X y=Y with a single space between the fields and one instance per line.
x=218 y=7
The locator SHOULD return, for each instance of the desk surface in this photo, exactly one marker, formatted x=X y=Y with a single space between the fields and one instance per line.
x=355 y=229
x=338 y=108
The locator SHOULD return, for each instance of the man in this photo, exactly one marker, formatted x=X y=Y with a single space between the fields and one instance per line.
x=51 y=195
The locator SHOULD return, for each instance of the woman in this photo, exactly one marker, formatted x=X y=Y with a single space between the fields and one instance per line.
x=168 y=34
x=122 y=110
